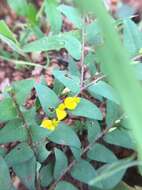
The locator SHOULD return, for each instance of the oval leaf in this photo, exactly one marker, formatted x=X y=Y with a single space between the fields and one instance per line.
x=87 y=109
x=69 y=81
x=5 y=181
x=60 y=163
x=120 y=137
x=103 y=89
x=101 y=153
x=46 y=175
x=47 y=97
x=13 y=131
x=7 y=110
x=65 y=185
x=65 y=135
x=83 y=171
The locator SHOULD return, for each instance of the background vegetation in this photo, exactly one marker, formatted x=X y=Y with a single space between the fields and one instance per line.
x=72 y=119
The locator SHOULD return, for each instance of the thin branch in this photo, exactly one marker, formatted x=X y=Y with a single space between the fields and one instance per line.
x=30 y=142
x=93 y=82
x=88 y=147
x=20 y=114
x=17 y=62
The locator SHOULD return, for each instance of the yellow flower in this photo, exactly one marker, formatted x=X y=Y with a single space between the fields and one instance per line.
x=55 y=122
x=49 y=124
x=61 y=106
x=71 y=102
x=61 y=114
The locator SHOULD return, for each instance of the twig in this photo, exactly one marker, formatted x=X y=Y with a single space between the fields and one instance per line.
x=93 y=82
x=30 y=142
x=52 y=187
x=17 y=62
x=21 y=116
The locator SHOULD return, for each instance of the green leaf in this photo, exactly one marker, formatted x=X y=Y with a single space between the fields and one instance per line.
x=5 y=31
x=31 y=14
x=5 y=181
x=113 y=113
x=138 y=70
x=41 y=152
x=61 y=163
x=110 y=175
x=22 y=89
x=94 y=130
x=102 y=154
x=73 y=45
x=76 y=152
x=116 y=64
x=23 y=162
x=3 y=151
x=7 y=110
x=69 y=81
x=47 y=97
x=93 y=34
x=103 y=89
x=73 y=67
x=20 y=154
x=13 y=131
x=72 y=14
x=65 y=135
x=58 y=87
x=23 y=8
x=46 y=175
x=38 y=133
x=45 y=44
x=27 y=172
x=56 y=42
x=30 y=116
x=132 y=37
x=11 y=44
x=65 y=185
x=90 y=62
x=83 y=171
x=119 y=137
x=19 y=6
x=54 y=16
x=123 y=186
x=87 y=109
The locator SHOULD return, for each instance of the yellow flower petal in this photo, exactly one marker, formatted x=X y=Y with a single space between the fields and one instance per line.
x=55 y=122
x=77 y=99
x=61 y=106
x=61 y=114
x=48 y=124
x=71 y=102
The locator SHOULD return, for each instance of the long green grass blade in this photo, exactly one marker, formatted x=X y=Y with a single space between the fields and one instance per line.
x=116 y=64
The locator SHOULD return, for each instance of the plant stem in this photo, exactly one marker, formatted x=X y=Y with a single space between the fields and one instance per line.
x=93 y=82
x=12 y=94
x=16 y=62
x=30 y=142
x=52 y=187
